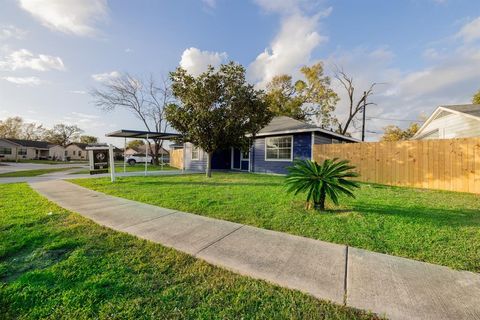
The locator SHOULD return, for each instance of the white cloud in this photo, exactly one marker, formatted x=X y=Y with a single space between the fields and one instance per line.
x=76 y=17
x=291 y=48
x=85 y=115
x=196 y=61
x=471 y=31
x=210 y=3
x=78 y=91
x=106 y=77
x=11 y=32
x=406 y=94
x=24 y=59
x=382 y=54
x=30 y=81
x=460 y=69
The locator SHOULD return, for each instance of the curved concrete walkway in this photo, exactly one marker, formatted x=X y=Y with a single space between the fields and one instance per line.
x=396 y=287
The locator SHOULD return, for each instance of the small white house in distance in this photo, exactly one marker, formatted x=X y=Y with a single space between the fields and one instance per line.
x=449 y=122
x=16 y=149
x=76 y=151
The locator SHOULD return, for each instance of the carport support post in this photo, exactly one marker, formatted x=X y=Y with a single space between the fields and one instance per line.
x=112 y=163
x=183 y=158
x=146 y=156
x=124 y=155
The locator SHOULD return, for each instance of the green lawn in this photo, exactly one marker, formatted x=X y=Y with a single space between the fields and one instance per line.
x=32 y=173
x=58 y=265
x=135 y=168
x=433 y=226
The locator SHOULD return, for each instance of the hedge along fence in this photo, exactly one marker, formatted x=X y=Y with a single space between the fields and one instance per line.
x=452 y=164
x=176 y=158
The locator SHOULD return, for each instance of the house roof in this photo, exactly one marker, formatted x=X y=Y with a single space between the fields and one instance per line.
x=79 y=144
x=142 y=148
x=31 y=143
x=471 y=109
x=139 y=134
x=285 y=125
x=468 y=110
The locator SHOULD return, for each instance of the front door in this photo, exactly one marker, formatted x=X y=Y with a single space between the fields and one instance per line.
x=236 y=163
x=240 y=160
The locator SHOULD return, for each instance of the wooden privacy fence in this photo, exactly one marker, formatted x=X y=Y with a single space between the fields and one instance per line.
x=176 y=158
x=452 y=164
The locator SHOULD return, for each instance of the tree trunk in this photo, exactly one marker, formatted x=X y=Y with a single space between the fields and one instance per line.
x=209 y=165
x=155 y=153
x=320 y=205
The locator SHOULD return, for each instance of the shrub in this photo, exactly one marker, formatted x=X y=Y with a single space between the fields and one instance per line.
x=329 y=179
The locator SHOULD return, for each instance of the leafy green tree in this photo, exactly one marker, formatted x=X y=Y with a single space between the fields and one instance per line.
x=216 y=109
x=395 y=133
x=135 y=143
x=283 y=100
x=476 y=98
x=330 y=179
x=304 y=99
x=88 y=139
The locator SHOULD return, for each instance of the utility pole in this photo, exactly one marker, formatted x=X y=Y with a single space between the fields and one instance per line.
x=364 y=112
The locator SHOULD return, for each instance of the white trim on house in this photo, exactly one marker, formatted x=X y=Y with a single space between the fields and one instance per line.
x=198 y=153
x=291 y=148
x=435 y=114
x=305 y=130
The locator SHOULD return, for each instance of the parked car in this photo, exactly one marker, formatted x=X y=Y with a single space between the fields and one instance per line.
x=138 y=158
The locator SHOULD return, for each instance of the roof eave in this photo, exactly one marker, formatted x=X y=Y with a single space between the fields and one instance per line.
x=263 y=134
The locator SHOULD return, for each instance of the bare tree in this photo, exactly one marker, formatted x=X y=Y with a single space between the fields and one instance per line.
x=354 y=106
x=146 y=99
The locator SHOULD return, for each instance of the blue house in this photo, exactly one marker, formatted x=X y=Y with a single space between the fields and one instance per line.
x=275 y=147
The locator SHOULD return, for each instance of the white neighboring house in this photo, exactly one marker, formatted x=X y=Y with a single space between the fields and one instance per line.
x=76 y=151
x=16 y=149
x=449 y=122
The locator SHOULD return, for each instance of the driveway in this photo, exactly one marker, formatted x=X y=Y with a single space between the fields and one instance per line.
x=65 y=175
x=13 y=166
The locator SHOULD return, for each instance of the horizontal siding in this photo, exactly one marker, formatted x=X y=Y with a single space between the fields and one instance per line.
x=321 y=138
x=196 y=165
x=301 y=150
x=454 y=126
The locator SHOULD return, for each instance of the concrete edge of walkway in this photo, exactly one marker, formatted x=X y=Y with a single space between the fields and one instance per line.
x=397 y=287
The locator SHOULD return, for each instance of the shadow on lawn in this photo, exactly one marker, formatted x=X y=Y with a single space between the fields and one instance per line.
x=421 y=215
x=208 y=184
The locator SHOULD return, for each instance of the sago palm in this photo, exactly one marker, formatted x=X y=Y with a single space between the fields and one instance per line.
x=329 y=179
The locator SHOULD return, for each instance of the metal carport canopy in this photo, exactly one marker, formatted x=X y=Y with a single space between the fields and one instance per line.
x=139 y=134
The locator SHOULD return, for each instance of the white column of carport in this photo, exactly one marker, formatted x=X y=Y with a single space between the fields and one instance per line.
x=112 y=162
x=146 y=156
x=183 y=158
x=125 y=155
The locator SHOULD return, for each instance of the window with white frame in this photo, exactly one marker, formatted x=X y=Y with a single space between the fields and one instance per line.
x=279 y=148
x=195 y=153
x=5 y=150
x=245 y=155
x=22 y=151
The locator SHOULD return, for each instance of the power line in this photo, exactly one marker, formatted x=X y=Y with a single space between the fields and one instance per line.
x=391 y=119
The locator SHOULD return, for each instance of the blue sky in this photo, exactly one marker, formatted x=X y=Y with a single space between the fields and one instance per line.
x=424 y=52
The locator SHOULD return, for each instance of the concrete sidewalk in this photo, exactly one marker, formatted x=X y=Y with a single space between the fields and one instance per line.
x=396 y=287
